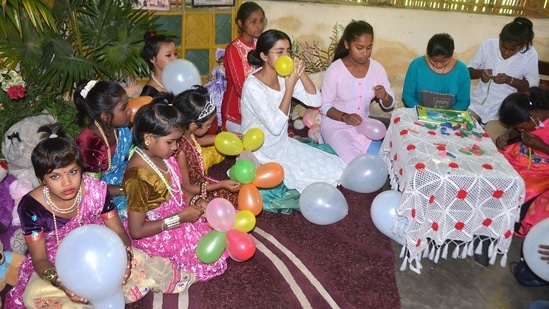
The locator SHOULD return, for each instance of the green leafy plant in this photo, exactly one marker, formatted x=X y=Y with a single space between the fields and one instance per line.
x=315 y=58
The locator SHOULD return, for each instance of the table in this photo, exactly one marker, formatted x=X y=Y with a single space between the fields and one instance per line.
x=456 y=188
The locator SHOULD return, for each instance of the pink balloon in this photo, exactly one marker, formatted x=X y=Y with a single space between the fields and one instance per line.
x=220 y=214
x=372 y=128
x=248 y=155
x=240 y=245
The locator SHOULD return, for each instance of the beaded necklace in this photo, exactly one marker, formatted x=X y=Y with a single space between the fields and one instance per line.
x=160 y=174
x=197 y=149
x=109 y=159
x=156 y=81
x=54 y=208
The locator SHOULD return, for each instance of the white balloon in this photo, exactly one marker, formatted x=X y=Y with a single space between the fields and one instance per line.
x=91 y=262
x=535 y=237
x=322 y=204
x=383 y=213
x=365 y=174
x=180 y=75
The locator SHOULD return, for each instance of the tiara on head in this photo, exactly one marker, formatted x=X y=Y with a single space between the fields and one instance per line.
x=84 y=92
x=208 y=109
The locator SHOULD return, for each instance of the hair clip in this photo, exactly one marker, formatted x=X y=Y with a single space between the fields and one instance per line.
x=530 y=103
x=84 y=92
x=208 y=108
x=53 y=135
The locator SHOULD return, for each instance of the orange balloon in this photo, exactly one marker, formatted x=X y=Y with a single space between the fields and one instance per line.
x=250 y=199
x=268 y=175
x=136 y=103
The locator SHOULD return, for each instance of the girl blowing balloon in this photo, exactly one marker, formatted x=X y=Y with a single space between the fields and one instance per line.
x=198 y=111
x=66 y=200
x=265 y=104
x=162 y=219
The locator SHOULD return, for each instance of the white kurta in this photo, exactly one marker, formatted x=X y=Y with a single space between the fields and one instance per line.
x=302 y=163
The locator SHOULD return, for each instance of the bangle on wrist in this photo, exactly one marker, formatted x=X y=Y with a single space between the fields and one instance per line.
x=171 y=222
x=343 y=117
x=122 y=193
x=203 y=189
x=195 y=200
x=50 y=274
x=511 y=80
x=129 y=253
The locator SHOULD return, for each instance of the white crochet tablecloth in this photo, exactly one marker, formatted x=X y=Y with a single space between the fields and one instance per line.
x=452 y=191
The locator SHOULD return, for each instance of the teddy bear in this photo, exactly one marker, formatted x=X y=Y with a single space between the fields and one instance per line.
x=10 y=262
x=19 y=142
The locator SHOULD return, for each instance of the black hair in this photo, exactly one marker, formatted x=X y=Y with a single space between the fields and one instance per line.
x=353 y=30
x=517 y=107
x=94 y=99
x=518 y=31
x=55 y=151
x=246 y=9
x=440 y=44
x=158 y=118
x=265 y=42
x=152 y=46
x=191 y=103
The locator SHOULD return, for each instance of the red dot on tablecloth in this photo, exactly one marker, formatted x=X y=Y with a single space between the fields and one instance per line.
x=431 y=199
x=497 y=193
x=458 y=133
x=487 y=222
x=485 y=134
x=434 y=226
x=462 y=194
x=431 y=132
x=411 y=147
x=400 y=172
x=395 y=157
x=487 y=166
x=441 y=147
x=508 y=234
x=391 y=144
x=404 y=132
x=420 y=166
x=418 y=242
x=413 y=212
x=396 y=120
x=459 y=225
x=453 y=165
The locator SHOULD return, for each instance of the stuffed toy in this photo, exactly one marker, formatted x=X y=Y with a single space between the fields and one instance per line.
x=19 y=142
x=218 y=83
x=303 y=117
x=11 y=234
x=9 y=268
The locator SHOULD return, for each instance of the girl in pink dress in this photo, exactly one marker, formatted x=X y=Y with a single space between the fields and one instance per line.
x=162 y=219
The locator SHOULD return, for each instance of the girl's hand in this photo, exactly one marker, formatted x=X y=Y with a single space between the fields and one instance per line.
x=486 y=75
x=501 y=78
x=299 y=68
x=380 y=92
x=75 y=298
x=544 y=252
x=231 y=185
x=501 y=141
x=191 y=213
x=533 y=141
x=353 y=119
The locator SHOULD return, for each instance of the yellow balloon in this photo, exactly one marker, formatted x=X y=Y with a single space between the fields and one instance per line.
x=228 y=143
x=245 y=221
x=284 y=65
x=253 y=139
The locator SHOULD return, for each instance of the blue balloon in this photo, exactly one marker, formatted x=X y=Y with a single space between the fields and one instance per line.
x=322 y=204
x=91 y=262
x=383 y=213
x=365 y=174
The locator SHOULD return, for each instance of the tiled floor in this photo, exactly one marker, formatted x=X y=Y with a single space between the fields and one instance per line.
x=465 y=284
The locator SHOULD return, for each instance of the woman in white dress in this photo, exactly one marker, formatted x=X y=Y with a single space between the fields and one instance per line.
x=265 y=104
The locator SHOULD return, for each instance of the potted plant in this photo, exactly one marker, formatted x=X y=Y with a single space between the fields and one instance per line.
x=53 y=45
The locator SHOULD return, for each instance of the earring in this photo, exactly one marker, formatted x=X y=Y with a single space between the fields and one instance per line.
x=147 y=143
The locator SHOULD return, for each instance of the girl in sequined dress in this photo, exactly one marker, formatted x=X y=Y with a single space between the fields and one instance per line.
x=162 y=219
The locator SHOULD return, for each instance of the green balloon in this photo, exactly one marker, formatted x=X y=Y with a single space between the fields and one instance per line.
x=211 y=246
x=244 y=171
x=231 y=174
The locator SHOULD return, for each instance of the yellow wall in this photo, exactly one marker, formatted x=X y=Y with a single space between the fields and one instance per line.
x=400 y=34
